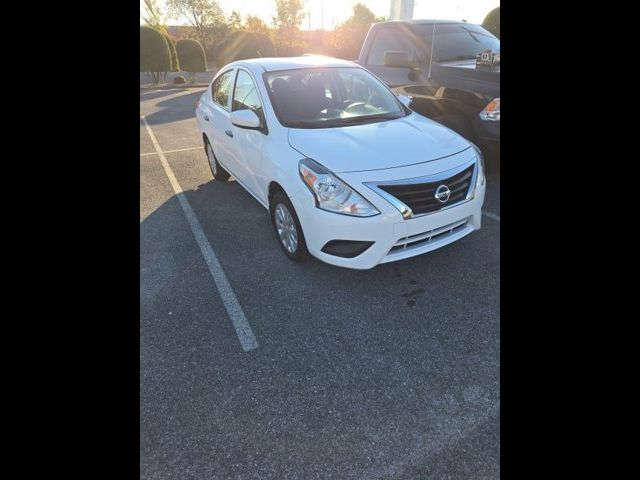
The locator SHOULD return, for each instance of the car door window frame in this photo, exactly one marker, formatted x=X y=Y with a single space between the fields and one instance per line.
x=264 y=128
x=227 y=107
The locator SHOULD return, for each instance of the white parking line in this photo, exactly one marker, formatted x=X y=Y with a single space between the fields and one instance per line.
x=173 y=151
x=491 y=215
x=238 y=318
x=172 y=94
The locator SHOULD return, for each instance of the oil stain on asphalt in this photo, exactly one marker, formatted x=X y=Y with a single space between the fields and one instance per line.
x=412 y=294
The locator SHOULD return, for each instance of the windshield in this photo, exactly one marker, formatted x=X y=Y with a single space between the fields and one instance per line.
x=330 y=97
x=458 y=41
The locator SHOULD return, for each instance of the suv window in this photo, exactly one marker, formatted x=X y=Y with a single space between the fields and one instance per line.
x=245 y=94
x=220 y=89
x=458 y=42
x=389 y=40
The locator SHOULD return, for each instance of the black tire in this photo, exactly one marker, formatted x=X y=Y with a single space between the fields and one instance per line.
x=218 y=172
x=459 y=124
x=300 y=252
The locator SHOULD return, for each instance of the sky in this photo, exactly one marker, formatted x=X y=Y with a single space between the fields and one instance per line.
x=336 y=11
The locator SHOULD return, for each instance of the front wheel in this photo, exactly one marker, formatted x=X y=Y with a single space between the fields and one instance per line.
x=287 y=227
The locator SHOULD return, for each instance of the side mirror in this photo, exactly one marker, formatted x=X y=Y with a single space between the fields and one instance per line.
x=398 y=60
x=405 y=100
x=245 y=119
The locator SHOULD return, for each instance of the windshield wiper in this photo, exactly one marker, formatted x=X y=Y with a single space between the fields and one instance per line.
x=337 y=122
x=307 y=124
x=364 y=118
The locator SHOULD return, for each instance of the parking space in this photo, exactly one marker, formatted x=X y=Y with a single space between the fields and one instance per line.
x=390 y=373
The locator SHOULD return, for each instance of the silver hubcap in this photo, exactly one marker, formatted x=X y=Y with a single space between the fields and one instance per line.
x=286 y=228
x=212 y=160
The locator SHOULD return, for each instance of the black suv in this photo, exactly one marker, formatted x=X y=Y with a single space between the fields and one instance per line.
x=451 y=71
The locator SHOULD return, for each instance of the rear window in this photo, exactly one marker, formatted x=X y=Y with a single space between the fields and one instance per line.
x=220 y=89
x=458 y=41
x=389 y=40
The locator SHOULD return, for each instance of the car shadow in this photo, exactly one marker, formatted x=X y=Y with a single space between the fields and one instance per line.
x=175 y=109
x=239 y=230
x=406 y=350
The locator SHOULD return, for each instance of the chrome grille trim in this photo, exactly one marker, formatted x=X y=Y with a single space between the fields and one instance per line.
x=405 y=210
x=420 y=240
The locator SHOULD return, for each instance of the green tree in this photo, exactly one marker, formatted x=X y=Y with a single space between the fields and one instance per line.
x=492 y=21
x=256 y=25
x=191 y=57
x=153 y=16
x=289 y=16
x=155 y=57
x=348 y=37
x=205 y=16
x=362 y=17
x=234 y=21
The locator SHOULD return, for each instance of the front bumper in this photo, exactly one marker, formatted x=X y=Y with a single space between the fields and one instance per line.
x=388 y=229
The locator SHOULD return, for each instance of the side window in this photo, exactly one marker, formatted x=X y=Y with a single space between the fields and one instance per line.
x=388 y=40
x=245 y=95
x=220 y=89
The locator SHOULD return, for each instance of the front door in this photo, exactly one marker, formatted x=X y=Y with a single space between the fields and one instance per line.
x=247 y=144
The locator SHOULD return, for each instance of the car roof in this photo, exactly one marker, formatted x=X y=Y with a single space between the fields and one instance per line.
x=270 y=64
x=422 y=21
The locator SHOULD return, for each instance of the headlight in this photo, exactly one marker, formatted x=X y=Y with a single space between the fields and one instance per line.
x=331 y=193
x=491 y=112
x=481 y=179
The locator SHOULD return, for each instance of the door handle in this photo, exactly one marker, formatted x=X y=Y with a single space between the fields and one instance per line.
x=229 y=133
x=206 y=117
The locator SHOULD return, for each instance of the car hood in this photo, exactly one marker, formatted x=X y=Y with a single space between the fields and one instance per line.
x=375 y=146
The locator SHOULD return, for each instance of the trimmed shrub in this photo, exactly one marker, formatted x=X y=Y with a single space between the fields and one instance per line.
x=242 y=45
x=191 y=57
x=175 y=64
x=267 y=48
x=155 y=57
x=291 y=50
x=179 y=79
x=492 y=21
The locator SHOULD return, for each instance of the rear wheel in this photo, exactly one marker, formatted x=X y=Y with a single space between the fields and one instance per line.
x=217 y=171
x=287 y=227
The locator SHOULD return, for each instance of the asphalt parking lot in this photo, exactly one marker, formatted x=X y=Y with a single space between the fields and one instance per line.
x=390 y=373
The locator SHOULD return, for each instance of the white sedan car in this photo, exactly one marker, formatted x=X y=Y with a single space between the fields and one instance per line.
x=348 y=173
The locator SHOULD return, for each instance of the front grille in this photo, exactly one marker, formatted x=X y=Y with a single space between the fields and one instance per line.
x=429 y=236
x=420 y=197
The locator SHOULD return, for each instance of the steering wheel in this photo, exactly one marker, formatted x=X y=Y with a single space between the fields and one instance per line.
x=355 y=105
